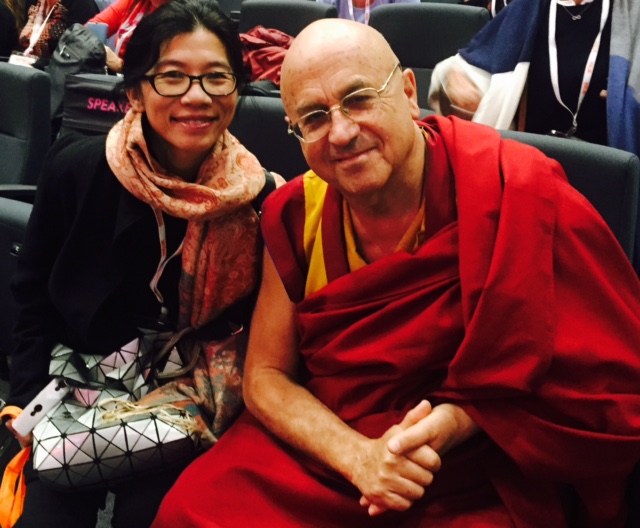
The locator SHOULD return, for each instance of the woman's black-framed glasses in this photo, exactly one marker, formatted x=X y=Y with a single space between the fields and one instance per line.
x=356 y=105
x=175 y=83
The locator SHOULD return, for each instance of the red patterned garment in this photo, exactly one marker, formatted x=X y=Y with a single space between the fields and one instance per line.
x=520 y=307
x=265 y=49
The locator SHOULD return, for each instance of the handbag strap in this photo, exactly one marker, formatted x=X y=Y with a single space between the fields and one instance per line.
x=269 y=186
x=166 y=350
x=13 y=488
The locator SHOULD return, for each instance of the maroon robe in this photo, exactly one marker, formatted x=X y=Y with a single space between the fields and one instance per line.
x=520 y=307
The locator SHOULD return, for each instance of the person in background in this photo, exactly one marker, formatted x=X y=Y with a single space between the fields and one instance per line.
x=494 y=6
x=446 y=333
x=561 y=67
x=8 y=30
x=122 y=18
x=47 y=20
x=360 y=10
x=114 y=212
x=19 y=10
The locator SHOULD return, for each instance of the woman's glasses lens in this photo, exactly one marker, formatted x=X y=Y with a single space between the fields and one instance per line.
x=173 y=84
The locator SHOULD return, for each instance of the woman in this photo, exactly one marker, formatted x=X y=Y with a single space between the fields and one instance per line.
x=8 y=30
x=19 y=11
x=107 y=219
x=121 y=19
x=47 y=20
x=576 y=59
x=360 y=10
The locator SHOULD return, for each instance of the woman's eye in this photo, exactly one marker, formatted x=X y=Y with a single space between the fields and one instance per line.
x=217 y=77
x=172 y=75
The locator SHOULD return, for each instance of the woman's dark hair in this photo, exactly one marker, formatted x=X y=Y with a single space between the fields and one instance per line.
x=179 y=17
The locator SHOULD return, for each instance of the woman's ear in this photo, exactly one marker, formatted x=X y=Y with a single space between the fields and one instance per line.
x=135 y=98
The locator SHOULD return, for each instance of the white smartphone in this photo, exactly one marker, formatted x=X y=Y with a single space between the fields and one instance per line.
x=36 y=410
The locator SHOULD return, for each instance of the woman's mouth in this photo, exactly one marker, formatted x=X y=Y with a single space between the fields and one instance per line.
x=194 y=122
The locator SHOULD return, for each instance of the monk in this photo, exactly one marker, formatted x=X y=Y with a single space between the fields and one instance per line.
x=446 y=333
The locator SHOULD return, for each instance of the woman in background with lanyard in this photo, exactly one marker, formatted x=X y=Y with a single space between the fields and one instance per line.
x=568 y=72
x=360 y=10
x=559 y=49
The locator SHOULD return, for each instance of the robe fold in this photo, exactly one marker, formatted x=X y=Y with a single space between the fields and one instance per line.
x=520 y=307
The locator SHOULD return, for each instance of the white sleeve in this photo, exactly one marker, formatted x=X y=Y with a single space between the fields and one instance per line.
x=501 y=92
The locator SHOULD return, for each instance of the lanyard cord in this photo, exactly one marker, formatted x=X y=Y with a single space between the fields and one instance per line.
x=164 y=260
x=591 y=61
x=37 y=31
x=367 y=11
x=493 y=7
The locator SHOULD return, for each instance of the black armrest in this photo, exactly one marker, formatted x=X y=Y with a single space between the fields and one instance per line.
x=23 y=193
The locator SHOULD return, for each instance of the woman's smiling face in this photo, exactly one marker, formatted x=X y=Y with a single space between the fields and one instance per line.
x=184 y=129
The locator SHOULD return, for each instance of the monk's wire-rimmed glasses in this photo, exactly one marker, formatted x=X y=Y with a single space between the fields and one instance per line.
x=356 y=105
x=175 y=83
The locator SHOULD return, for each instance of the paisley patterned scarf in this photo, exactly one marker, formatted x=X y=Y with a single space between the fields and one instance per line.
x=220 y=250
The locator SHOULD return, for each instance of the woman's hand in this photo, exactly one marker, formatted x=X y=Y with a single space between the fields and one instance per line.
x=114 y=63
x=464 y=96
x=25 y=441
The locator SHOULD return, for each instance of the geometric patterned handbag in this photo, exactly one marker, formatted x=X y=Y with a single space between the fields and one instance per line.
x=96 y=434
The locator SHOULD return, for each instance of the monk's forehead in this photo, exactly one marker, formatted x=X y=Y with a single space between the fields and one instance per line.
x=335 y=45
x=325 y=37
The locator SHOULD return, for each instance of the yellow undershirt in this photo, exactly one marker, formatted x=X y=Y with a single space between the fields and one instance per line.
x=315 y=191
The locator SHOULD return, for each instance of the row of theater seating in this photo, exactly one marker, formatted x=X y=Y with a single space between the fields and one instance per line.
x=234 y=8
x=421 y=35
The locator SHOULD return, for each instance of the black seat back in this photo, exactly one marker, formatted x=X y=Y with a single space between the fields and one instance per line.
x=14 y=215
x=609 y=178
x=288 y=16
x=25 y=125
x=260 y=126
x=422 y=35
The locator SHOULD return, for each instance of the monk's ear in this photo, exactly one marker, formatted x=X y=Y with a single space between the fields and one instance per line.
x=136 y=99
x=411 y=92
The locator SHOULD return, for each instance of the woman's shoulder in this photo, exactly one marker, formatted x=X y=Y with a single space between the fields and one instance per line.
x=75 y=158
x=73 y=149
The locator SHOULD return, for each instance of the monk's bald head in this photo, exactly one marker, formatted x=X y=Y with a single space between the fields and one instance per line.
x=333 y=41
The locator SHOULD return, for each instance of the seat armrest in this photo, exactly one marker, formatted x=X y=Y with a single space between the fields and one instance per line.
x=23 y=193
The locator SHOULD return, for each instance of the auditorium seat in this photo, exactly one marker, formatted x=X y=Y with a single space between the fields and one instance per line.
x=25 y=127
x=14 y=215
x=231 y=8
x=260 y=126
x=422 y=35
x=609 y=178
x=288 y=16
